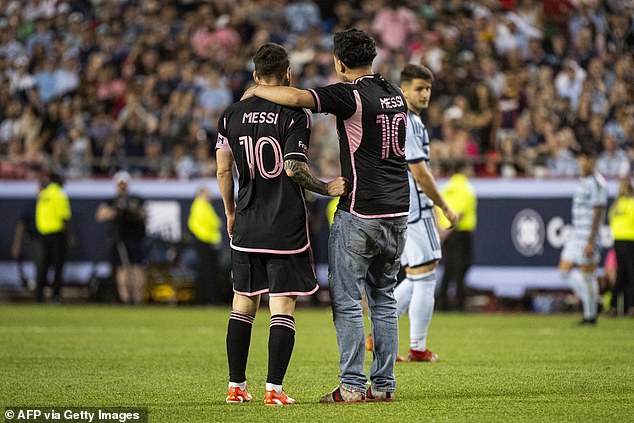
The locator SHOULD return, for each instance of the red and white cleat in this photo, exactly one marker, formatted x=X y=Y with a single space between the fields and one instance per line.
x=415 y=355
x=235 y=395
x=273 y=398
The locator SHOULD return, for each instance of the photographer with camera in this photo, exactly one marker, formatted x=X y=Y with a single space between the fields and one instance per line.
x=127 y=239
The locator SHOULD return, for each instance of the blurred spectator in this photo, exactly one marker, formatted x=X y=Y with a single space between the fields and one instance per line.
x=457 y=243
x=52 y=213
x=126 y=213
x=613 y=162
x=139 y=78
x=621 y=217
x=561 y=160
x=206 y=227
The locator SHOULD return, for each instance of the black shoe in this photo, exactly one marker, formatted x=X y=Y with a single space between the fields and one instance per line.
x=592 y=321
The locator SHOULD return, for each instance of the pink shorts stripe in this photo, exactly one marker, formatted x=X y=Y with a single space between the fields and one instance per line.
x=252 y=294
x=288 y=294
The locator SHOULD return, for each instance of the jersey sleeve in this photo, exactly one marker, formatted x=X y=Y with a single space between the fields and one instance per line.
x=599 y=195
x=222 y=142
x=298 y=136
x=416 y=143
x=338 y=99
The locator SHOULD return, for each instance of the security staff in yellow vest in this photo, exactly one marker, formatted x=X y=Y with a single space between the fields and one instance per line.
x=621 y=218
x=52 y=213
x=458 y=244
x=206 y=226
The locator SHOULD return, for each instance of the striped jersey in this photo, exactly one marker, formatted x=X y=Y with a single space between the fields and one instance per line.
x=590 y=193
x=416 y=151
x=271 y=214
x=371 y=122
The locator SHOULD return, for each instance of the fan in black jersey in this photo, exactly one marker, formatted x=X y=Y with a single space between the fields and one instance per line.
x=368 y=231
x=267 y=143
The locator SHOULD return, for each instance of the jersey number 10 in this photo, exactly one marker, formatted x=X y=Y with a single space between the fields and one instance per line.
x=255 y=158
x=390 y=132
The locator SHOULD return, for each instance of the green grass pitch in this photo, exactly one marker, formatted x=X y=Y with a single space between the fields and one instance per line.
x=502 y=367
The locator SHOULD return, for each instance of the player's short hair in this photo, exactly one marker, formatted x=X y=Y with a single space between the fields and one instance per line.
x=271 y=61
x=354 y=48
x=412 y=71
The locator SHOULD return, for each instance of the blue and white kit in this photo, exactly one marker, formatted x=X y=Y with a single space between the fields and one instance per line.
x=423 y=242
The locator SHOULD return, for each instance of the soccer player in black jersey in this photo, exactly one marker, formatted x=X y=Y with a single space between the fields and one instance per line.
x=368 y=232
x=268 y=225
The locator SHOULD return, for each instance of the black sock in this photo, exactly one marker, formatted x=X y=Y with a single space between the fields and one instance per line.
x=238 y=340
x=281 y=342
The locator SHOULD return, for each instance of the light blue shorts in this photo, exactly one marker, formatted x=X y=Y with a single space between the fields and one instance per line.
x=573 y=253
x=423 y=242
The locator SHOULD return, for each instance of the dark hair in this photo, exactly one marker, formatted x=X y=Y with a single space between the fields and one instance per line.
x=354 y=48
x=271 y=61
x=458 y=165
x=411 y=72
x=588 y=151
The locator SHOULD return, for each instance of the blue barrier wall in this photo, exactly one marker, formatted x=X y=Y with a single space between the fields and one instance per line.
x=521 y=225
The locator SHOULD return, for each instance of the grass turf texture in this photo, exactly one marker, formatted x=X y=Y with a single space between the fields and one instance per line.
x=172 y=360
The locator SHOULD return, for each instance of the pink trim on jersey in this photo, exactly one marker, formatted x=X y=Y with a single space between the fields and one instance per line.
x=316 y=98
x=379 y=216
x=309 y=119
x=251 y=294
x=288 y=294
x=298 y=154
x=267 y=251
x=354 y=131
x=362 y=77
x=222 y=143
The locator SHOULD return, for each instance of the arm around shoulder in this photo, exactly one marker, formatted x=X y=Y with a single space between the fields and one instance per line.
x=286 y=96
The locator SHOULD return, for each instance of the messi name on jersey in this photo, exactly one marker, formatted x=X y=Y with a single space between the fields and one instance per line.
x=260 y=117
x=391 y=102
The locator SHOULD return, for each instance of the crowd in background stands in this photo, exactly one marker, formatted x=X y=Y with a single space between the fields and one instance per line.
x=89 y=88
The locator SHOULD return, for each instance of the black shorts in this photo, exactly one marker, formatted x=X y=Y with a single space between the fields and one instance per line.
x=135 y=250
x=275 y=274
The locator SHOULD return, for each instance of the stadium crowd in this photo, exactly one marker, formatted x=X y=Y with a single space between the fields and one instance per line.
x=91 y=87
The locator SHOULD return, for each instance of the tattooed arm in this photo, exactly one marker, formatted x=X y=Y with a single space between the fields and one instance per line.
x=299 y=172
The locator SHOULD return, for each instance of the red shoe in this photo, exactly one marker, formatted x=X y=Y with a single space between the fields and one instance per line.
x=369 y=343
x=401 y=359
x=273 y=398
x=235 y=395
x=426 y=355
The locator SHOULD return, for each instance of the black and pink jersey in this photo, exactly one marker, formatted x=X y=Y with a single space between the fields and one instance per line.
x=271 y=214
x=371 y=120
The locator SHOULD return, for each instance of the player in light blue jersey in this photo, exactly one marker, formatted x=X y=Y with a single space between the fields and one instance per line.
x=582 y=248
x=422 y=251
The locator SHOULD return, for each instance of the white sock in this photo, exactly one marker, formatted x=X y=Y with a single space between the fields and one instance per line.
x=403 y=295
x=574 y=280
x=271 y=386
x=591 y=286
x=421 y=308
x=242 y=385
